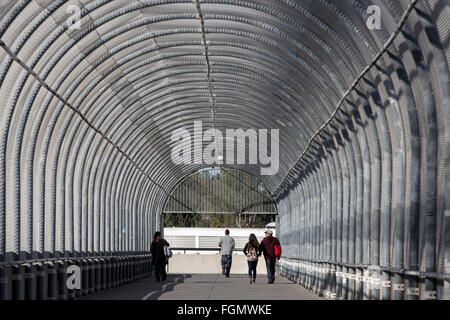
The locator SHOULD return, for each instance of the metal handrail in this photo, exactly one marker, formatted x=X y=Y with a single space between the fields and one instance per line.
x=204 y=249
x=55 y=259
x=420 y=274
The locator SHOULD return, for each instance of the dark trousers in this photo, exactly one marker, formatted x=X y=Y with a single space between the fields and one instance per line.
x=252 y=268
x=226 y=263
x=270 y=264
x=160 y=272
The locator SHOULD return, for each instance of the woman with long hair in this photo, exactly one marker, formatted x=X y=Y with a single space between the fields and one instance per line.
x=253 y=252
x=159 y=259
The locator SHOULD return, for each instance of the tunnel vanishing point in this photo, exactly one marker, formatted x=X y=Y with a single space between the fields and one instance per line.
x=91 y=92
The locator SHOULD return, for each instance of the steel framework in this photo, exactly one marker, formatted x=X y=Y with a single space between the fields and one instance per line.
x=86 y=116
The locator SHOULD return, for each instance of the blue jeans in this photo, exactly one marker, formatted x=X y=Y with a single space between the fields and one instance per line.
x=226 y=263
x=270 y=264
x=252 y=268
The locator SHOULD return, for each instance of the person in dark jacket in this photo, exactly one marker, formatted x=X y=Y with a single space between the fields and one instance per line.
x=253 y=252
x=267 y=247
x=159 y=259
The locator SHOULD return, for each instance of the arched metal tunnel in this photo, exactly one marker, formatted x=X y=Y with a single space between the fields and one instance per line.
x=91 y=92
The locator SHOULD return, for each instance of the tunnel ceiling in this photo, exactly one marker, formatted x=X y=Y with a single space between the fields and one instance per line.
x=87 y=114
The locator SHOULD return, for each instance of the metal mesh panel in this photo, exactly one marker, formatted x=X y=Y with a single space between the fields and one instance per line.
x=87 y=116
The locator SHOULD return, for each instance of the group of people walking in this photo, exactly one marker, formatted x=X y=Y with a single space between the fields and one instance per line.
x=269 y=247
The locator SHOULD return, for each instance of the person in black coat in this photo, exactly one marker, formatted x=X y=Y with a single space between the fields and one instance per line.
x=159 y=259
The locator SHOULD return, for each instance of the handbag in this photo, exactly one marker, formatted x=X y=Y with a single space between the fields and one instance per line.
x=251 y=255
x=167 y=252
x=278 y=251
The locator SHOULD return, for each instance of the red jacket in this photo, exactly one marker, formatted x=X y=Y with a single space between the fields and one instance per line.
x=268 y=247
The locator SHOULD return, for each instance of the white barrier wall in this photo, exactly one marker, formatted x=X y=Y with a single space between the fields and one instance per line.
x=210 y=263
x=208 y=237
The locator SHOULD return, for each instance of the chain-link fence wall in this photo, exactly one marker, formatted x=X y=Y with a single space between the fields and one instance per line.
x=364 y=213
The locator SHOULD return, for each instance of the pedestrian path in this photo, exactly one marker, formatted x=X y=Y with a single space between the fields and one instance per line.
x=207 y=287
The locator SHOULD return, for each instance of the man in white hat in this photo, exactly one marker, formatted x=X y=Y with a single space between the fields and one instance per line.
x=271 y=248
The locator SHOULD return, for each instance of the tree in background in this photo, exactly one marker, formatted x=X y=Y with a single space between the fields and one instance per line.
x=217 y=220
x=223 y=198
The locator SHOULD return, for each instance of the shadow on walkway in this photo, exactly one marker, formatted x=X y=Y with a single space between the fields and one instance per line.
x=167 y=286
x=206 y=287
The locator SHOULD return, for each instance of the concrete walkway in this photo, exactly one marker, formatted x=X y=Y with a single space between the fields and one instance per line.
x=206 y=287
